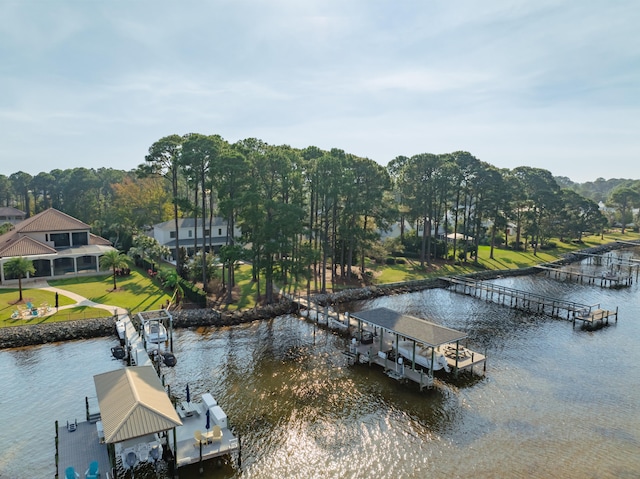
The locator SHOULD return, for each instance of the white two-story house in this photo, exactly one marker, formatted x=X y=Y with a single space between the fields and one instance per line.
x=190 y=235
x=57 y=244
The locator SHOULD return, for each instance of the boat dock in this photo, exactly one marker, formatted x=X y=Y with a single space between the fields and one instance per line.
x=194 y=442
x=410 y=348
x=608 y=260
x=200 y=431
x=590 y=315
x=77 y=445
x=322 y=315
x=606 y=279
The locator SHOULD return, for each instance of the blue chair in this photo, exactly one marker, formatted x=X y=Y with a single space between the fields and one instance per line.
x=92 y=472
x=70 y=473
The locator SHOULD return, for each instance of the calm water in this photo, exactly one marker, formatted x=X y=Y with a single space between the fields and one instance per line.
x=556 y=402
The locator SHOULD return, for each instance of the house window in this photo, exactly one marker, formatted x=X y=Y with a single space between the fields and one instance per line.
x=219 y=231
x=172 y=234
x=207 y=232
x=80 y=239
x=190 y=234
x=60 y=240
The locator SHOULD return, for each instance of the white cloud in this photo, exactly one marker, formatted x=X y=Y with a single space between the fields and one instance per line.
x=513 y=82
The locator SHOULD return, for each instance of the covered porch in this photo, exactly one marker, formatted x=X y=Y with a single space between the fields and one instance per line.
x=76 y=261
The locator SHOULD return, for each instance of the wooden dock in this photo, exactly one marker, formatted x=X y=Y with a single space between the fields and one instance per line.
x=606 y=279
x=377 y=341
x=187 y=449
x=79 y=445
x=76 y=447
x=590 y=315
x=383 y=352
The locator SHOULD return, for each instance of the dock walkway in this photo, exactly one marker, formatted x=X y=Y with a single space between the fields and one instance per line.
x=79 y=445
x=607 y=279
x=590 y=315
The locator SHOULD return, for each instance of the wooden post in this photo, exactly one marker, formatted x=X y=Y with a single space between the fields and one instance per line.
x=57 y=454
x=455 y=371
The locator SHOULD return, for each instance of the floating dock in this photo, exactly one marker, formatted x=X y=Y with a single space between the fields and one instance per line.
x=410 y=348
x=590 y=315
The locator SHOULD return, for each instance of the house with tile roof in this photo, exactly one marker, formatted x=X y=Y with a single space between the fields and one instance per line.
x=9 y=214
x=57 y=244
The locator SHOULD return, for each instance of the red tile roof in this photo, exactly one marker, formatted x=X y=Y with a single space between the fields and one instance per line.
x=17 y=243
x=24 y=246
x=50 y=221
x=95 y=239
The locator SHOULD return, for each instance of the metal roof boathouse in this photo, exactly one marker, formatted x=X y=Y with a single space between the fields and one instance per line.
x=410 y=348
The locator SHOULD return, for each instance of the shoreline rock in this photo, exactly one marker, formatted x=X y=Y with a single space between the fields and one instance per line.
x=31 y=335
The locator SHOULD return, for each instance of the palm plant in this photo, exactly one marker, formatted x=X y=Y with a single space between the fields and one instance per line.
x=19 y=267
x=114 y=260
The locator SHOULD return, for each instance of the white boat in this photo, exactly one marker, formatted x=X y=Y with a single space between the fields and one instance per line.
x=423 y=355
x=121 y=328
x=154 y=332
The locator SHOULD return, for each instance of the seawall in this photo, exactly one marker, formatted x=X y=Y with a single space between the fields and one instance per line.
x=29 y=335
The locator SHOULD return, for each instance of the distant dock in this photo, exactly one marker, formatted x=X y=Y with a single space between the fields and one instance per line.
x=591 y=315
x=606 y=279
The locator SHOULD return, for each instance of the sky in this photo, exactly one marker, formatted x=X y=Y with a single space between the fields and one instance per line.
x=549 y=84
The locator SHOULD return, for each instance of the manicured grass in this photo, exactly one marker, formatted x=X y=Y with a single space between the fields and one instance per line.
x=136 y=292
x=9 y=302
x=502 y=259
x=411 y=270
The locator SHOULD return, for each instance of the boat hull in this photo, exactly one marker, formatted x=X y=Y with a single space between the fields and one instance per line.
x=423 y=356
x=154 y=332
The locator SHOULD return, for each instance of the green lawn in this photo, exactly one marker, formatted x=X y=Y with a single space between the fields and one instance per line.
x=136 y=292
x=502 y=259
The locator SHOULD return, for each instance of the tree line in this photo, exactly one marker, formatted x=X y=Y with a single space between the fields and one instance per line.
x=317 y=215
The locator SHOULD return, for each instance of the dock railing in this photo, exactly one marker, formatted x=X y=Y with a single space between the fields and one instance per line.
x=519 y=299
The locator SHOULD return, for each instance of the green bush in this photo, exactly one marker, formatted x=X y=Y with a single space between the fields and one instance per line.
x=193 y=293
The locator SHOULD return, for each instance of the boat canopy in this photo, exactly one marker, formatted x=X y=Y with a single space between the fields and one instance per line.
x=410 y=327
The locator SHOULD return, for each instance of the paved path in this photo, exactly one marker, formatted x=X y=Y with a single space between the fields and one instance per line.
x=79 y=300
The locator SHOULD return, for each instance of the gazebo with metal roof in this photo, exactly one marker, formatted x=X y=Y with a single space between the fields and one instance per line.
x=133 y=403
